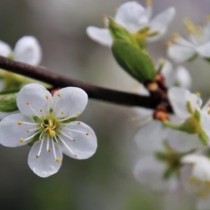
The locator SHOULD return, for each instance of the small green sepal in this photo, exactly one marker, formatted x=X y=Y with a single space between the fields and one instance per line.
x=8 y=102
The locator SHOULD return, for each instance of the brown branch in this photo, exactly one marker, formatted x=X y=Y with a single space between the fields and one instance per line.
x=95 y=92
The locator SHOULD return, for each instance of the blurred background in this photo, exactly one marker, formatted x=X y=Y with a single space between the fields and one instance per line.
x=106 y=180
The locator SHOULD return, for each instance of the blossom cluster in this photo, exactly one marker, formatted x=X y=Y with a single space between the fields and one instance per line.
x=168 y=143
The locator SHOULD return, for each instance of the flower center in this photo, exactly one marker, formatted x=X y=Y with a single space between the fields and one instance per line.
x=50 y=125
x=192 y=28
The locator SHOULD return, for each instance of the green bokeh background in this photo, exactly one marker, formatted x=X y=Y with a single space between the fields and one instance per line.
x=105 y=181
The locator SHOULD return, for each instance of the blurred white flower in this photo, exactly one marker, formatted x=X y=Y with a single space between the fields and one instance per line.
x=48 y=124
x=198 y=181
x=198 y=43
x=176 y=76
x=134 y=17
x=150 y=170
x=27 y=50
x=187 y=107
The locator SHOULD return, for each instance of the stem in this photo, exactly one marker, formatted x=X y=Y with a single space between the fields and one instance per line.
x=95 y=92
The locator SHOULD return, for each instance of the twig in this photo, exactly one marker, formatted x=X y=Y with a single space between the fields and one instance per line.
x=95 y=92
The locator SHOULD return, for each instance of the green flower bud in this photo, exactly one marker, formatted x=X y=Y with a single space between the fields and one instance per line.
x=118 y=32
x=134 y=60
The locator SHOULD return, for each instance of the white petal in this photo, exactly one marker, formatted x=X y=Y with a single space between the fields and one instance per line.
x=182 y=77
x=149 y=172
x=100 y=35
x=28 y=50
x=193 y=159
x=5 y=49
x=183 y=142
x=5 y=114
x=16 y=129
x=179 y=97
x=204 y=50
x=150 y=137
x=132 y=16
x=161 y=22
x=168 y=73
x=45 y=162
x=34 y=100
x=69 y=102
x=180 y=53
x=78 y=140
x=205 y=123
x=206 y=107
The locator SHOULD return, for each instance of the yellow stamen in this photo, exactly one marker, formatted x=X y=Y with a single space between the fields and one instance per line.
x=20 y=122
x=58 y=159
x=192 y=27
x=21 y=139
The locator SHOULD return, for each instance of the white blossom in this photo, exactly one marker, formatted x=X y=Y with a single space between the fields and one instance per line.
x=134 y=17
x=198 y=181
x=188 y=108
x=48 y=124
x=178 y=75
x=27 y=50
x=149 y=170
x=197 y=43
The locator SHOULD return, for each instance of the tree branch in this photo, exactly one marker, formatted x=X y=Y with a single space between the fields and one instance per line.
x=95 y=92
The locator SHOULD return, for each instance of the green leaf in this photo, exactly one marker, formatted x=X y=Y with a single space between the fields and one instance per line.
x=134 y=60
x=8 y=102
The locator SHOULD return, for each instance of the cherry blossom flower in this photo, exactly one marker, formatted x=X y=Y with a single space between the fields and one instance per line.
x=149 y=170
x=198 y=180
x=194 y=119
x=27 y=50
x=134 y=17
x=197 y=43
x=49 y=124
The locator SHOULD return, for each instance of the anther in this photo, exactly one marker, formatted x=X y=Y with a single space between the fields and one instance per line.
x=19 y=122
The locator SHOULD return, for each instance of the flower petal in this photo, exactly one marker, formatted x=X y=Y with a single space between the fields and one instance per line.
x=34 y=100
x=205 y=123
x=149 y=172
x=183 y=142
x=100 y=35
x=193 y=159
x=78 y=140
x=182 y=77
x=161 y=22
x=179 y=98
x=5 y=114
x=16 y=130
x=28 y=50
x=69 y=102
x=167 y=71
x=180 y=53
x=5 y=49
x=204 y=50
x=149 y=137
x=132 y=16
x=45 y=161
